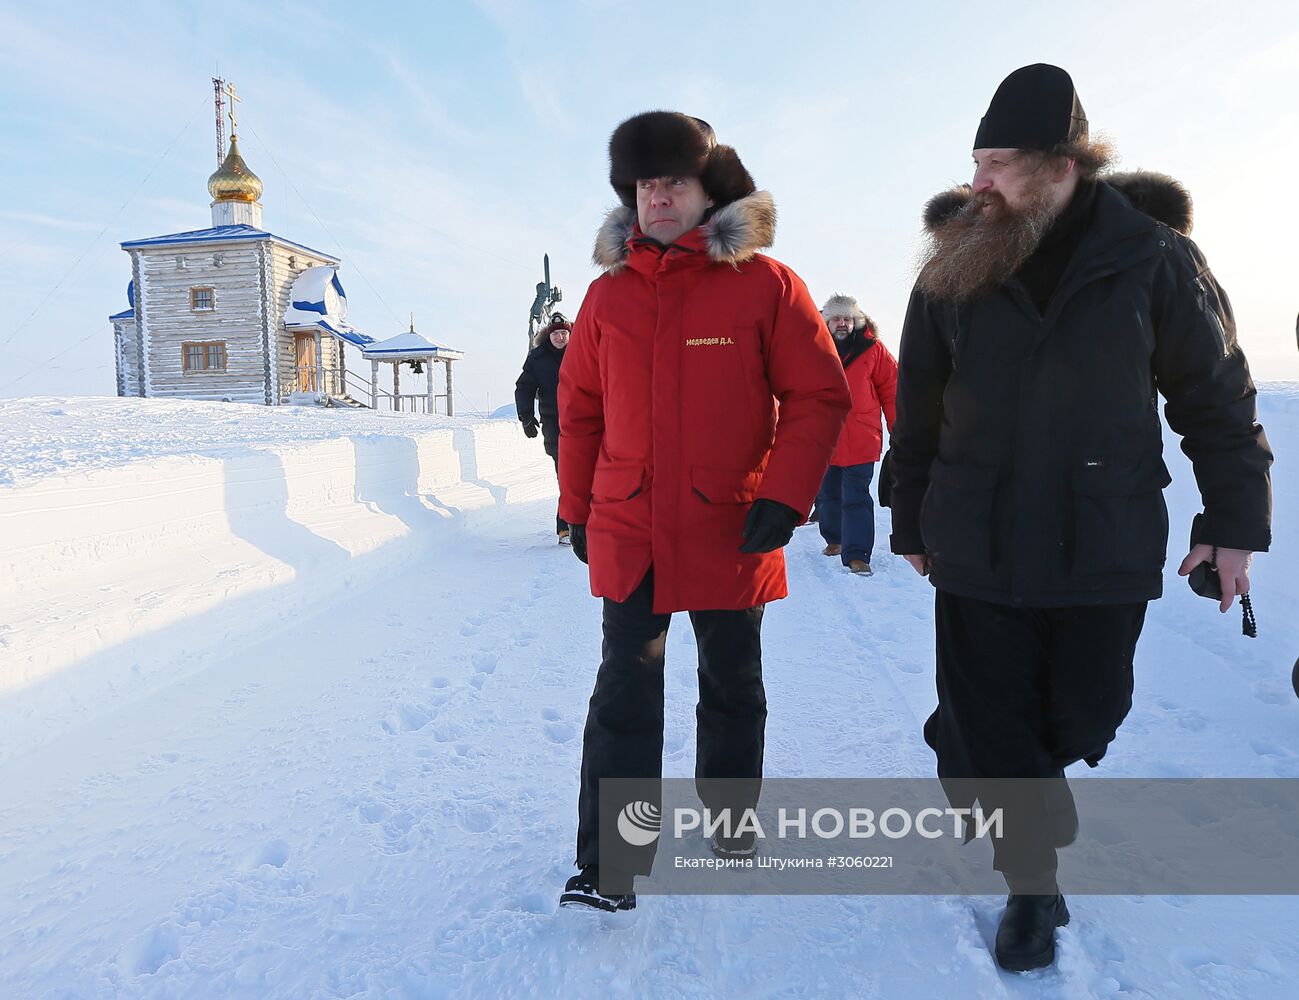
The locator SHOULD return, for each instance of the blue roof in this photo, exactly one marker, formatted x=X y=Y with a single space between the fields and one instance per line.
x=130 y=298
x=219 y=234
x=411 y=344
x=351 y=336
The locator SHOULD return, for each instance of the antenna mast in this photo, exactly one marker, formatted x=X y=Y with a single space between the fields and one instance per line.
x=219 y=87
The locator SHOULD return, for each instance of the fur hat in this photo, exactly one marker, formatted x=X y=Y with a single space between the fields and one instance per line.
x=557 y=322
x=670 y=144
x=846 y=305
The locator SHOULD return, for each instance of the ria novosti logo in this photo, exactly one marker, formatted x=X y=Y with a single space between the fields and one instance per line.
x=639 y=823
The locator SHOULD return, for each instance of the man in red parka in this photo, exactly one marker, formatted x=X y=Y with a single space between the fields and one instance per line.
x=680 y=477
x=847 y=519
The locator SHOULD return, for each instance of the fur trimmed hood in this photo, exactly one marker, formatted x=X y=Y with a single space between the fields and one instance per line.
x=845 y=305
x=1154 y=194
x=734 y=234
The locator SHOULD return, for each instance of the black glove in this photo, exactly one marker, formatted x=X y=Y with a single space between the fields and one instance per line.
x=886 y=478
x=530 y=428
x=770 y=526
x=577 y=538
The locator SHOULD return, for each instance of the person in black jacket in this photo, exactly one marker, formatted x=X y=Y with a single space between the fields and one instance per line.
x=1053 y=306
x=539 y=383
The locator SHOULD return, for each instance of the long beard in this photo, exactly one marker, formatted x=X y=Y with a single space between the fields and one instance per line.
x=975 y=251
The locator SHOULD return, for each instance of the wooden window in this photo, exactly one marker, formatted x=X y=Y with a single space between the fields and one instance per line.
x=201 y=300
x=204 y=356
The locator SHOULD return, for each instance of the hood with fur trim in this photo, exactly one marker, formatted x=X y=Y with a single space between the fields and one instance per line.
x=734 y=234
x=1157 y=195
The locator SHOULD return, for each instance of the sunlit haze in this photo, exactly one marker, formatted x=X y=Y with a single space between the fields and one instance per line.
x=441 y=149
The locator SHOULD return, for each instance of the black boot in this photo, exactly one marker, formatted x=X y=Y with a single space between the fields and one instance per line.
x=1026 y=937
x=583 y=889
x=745 y=845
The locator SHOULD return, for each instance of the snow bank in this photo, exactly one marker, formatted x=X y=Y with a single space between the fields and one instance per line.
x=365 y=785
x=114 y=529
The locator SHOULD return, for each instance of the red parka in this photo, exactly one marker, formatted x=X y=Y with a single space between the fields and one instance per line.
x=873 y=380
x=699 y=378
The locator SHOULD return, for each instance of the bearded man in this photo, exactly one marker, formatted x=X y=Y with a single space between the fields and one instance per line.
x=1051 y=307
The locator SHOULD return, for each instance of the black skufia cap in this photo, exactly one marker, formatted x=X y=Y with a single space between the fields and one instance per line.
x=1035 y=107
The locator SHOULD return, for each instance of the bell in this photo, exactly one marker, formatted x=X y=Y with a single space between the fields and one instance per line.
x=417 y=367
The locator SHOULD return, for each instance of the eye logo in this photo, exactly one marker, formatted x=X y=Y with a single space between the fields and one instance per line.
x=639 y=823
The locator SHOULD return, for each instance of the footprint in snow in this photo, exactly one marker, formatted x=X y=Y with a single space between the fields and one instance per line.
x=407 y=719
x=446 y=733
x=153 y=949
x=538 y=902
x=1268 y=694
x=478 y=818
x=1285 y=764
x=1266 y=748
x=158 y=762
x=275 y=853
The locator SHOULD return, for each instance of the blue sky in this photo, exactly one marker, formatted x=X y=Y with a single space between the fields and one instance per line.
x=441 y=149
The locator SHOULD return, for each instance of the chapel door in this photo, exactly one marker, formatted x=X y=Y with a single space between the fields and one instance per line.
x=305 y=351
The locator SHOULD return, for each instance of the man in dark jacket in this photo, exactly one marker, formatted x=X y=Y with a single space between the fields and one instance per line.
x=1052 y=307
x=539 y=383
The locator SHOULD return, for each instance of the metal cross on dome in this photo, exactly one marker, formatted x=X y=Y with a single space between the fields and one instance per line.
x=230 y=92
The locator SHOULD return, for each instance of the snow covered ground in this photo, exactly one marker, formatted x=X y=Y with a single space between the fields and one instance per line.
x=298 y=713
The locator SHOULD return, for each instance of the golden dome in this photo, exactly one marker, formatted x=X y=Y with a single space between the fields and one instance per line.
x=233 y=181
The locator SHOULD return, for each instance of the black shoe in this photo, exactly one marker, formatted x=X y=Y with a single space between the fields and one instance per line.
x=583 y=889
x=1026 y=937
x=743 y=846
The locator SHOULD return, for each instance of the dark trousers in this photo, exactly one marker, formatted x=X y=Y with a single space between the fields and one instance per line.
x=624 y=723
x=552 y=449
x=1023 y=693
x=847 y=511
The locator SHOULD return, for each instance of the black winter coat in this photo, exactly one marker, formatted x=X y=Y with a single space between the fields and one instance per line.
x=539 y=381
x=1027 y=453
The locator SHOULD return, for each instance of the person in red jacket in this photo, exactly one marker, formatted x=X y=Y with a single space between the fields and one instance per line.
x=699 y=402
x=847 y=520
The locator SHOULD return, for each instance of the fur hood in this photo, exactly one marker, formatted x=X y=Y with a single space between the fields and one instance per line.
x=845 y=305
x=1157 y=195
x=734 y=234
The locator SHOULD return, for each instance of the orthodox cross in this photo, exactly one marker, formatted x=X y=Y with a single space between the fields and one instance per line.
x=230 y=92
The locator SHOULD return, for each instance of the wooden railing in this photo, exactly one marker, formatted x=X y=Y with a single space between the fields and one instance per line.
x=363 y=391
